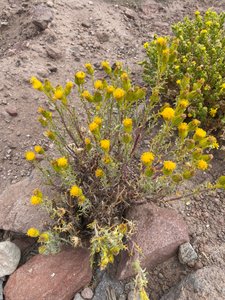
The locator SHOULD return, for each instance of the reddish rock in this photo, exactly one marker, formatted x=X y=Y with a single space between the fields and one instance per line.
x=16 y=213
x=50 y=277
x=11 y=110
x=160 y=231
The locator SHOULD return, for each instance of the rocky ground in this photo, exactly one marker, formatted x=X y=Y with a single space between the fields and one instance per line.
x=52 y=39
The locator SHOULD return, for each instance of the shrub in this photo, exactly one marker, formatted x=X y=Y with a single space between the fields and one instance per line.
x=196 y=51
x=119 y=151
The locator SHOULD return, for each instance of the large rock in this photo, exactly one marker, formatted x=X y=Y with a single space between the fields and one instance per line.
x=42 y=16
x=159 y=233
x=205 y=284
x=9 y=258
x=16 y=213
x=50 y=277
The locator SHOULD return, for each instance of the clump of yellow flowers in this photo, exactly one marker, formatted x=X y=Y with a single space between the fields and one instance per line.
x=121 y=148
x=195 y=50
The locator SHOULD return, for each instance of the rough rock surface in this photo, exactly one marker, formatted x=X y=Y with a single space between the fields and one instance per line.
x=42 y=16
x=50 y=277
x=87 y=293
x=159 y=233
x=17 y=214
x=205 y=284
x=187 y=253
x=9 y=258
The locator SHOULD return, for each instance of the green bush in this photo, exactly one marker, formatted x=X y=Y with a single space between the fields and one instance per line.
x=197 y=51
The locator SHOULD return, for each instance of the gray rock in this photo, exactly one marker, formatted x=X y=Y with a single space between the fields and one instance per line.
x=11 y=110
x=1 y=289
x=187 y=254
x=42 y=16
x=9 y=258
x=87 y=293
x=16 y=213
x=103 y=37
x=205 y=284
x=108 y=286
x=78 y=297
x=53 y=52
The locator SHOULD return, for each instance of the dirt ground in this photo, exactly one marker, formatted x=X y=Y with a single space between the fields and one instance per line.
x=83 y=31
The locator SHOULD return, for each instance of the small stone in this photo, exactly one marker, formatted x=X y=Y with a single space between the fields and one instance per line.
x=50 y=3
x=53 y=52
x=103 y=37
x=87 y=293
x=130 y=13
x=9 y=258
x=11 y=110
x=78 y=297
x=187 y=254
x=42 y=16
x=86 y=25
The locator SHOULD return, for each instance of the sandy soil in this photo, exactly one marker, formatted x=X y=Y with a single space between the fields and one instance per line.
x=84 y=31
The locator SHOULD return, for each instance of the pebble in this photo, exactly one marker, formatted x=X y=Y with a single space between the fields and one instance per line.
x=9 y=258
x=187 y=254
x=11 y=110
x=78 y=297
x=53 y=52
x=87 y=293
x=42 y=16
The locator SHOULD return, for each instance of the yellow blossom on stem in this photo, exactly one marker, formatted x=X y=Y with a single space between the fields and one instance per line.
x=98 y=84
x=62 y=162
x=30 y=155
x=213 y=112
x=89 y=68
x=105 y=145
x=168 y=113
x=80 y=77
x=202 y=165
x=59 y=93
x=146 y=45
x=36 y=84
x=87 y=141
x=38 y=149
x=75 y=191
x=147 y=158
x=43 y=237
x=50 y=135
x=110 y=89
x=98 y=120
x=127 y=123
x=119 y=94
x=93 y=127
x=183 y=103
x=183 y=129
x=33 y=232
x=168 y=167
x=199 y=134
x=99 y=173
x=86 y=95
x=161 y=41
x=36 y=200
x=106 y=66
x=106 y=159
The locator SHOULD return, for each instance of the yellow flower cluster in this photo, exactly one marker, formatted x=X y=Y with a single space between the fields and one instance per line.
x=30 y=155
x=147 y=158
x=37 y=197
x=119 y=94
x=33 y=232
x=80 y=77
x=99 y=173
x=105 y=145
x=62 y=162
x=168 y=113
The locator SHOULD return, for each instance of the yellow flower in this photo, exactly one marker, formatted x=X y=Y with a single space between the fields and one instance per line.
x=43 y=237
x=38 y=149
x=199 y=133
x=81 y=199
x=75 y=191
x=49 y=134
x=93 y=126
x=213 y=112
x=161 y=41
x=124 y=76
x=183 y=103
x=106 y=66
x=176 y=67
x=147 y=158
x=86 y=95
x=223 y=86
x=33 y=232
x=127 y=123
x=208 y=23
x=146 y=45
x=37 y=85
x=204 y=31
x=98 y=84
x=89 y=68
x=99 y=173
x=30 y=155
x=197 y=13
x=97 y=120
x=110 y=89
x=36 y=200
x=80 y=77
x=87 y=141
x=69 y=85
x=62 y=162
x=106 y=159
x=183 y=127
x=168 y=114
x=169 y=165
x=118 y=94
x=105 y=145
x=58 y=93
x=202 y=165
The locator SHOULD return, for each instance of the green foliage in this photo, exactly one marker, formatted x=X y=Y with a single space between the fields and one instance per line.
x=197 y=51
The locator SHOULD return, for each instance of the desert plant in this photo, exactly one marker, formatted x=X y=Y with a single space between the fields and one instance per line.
x=121 y=149
x=195 y=50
